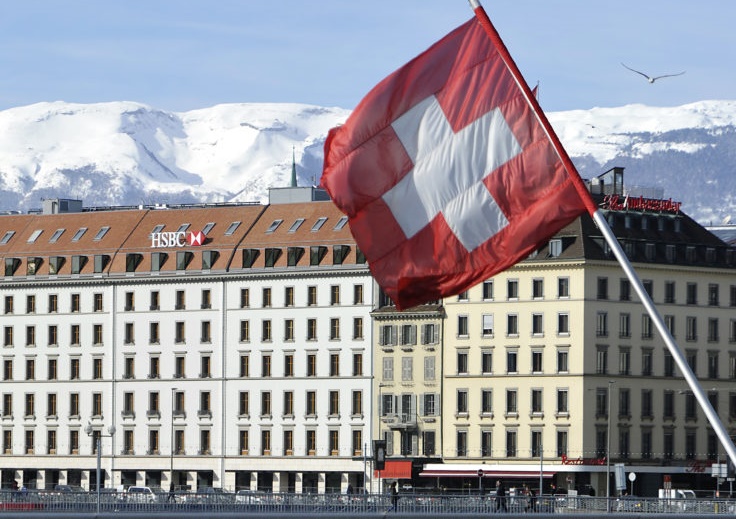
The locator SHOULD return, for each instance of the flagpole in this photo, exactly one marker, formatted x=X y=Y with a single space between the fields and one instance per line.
x=610 y=238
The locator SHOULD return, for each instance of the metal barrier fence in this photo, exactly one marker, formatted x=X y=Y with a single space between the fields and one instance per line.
x=356 y=505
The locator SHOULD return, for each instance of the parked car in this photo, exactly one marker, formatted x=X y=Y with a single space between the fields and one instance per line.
x=140 y=495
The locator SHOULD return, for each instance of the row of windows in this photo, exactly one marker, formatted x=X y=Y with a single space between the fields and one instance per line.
x=511 y=447
x=178 y=401
x=713 y=331
x=713 y=369
x=670 y=292
x=180 y=300
x=205 y=367
x=180 y=446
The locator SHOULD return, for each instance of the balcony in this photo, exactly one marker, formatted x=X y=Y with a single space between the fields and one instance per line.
x=401 y=421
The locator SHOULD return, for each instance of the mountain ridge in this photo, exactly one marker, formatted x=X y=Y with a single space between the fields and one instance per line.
x=128 y=153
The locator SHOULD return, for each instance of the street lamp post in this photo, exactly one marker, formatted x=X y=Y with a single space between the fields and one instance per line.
x=171 y=459
x=91 y=432
x=608 y=448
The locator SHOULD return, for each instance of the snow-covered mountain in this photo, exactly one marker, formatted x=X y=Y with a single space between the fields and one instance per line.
x=126 y=153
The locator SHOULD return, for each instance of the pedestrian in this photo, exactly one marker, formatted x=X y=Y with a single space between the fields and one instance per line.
x=394 y=496
x=501 y=497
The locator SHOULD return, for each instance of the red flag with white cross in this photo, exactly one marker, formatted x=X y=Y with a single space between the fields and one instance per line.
x=445 y=172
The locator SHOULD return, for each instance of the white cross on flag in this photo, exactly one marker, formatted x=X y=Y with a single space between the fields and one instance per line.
x=445 y=173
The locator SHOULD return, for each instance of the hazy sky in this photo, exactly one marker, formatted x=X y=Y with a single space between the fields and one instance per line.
x=186 y=54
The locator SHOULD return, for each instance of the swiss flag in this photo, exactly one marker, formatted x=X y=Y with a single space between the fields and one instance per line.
x=445 y=172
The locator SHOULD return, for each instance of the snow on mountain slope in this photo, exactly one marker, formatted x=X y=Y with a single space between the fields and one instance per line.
x=126 y=153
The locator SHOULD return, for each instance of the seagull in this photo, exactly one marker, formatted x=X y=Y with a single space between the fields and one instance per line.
x=655 y=78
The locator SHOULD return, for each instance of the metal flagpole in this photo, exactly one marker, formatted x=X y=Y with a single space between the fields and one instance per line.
x=602 y=224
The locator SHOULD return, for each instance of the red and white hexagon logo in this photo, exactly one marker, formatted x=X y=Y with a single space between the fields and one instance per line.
x=196 y=239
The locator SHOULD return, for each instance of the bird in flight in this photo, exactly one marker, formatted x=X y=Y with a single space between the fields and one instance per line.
x=652 y=79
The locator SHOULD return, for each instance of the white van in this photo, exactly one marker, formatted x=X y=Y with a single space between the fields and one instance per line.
x=140 y=495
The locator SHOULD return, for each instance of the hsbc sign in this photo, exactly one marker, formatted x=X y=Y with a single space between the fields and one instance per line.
x=177 y=239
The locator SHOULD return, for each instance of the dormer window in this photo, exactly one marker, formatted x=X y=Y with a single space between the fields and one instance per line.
x=101 y=233
x=232 y=228
x=6 y=237
x=297 y=223
x=183 y=227
x=555 y=248
x=319 y=223
x=208 y=228
x=57 y=234
x=78 y=235
x=340 y=223
x=33 y=237
x=274 y=225
x=158 y=228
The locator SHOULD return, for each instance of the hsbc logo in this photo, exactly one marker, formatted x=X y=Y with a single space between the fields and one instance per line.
x=177 y=239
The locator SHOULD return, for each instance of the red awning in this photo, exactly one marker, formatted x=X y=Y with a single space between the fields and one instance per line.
x=449 y=473
x=395 y=469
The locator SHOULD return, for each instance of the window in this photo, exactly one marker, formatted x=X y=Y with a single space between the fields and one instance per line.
x=646 y=362
x=311 y=365
x=243 y=403
x=691 y=328
x=97 y=369
x=486 y=402
x=537 y=364
x=601 y=329
x=488 y=290
x=462 y=402
x=266 y=300
x=562 y=361
x=536 y=401
x=334 y=404
x=180 y=300
x=646 y=404
x=512 y=407
x=244 y=366
x=244 y=331
x=537 y=325
x=537 y=288
x=266 y=365
x=511 y=361
x=669 y=365
x=244 y=298
x=266 y=330
x=624 y=361
x=334 y=364
x=154 y=367
x=358 y=328
x=288 y=330
x=713 y=294
x=563 y=324
x=179 y=332
x=691 y=294
x=288 y=296
x=486 y=362
x=74 y=335
x=512 y=289
x=512 y=325
x=462 y=443
x=462 y=363
x=8 y=336
x=311 y=403
x=357 y=294
x=602 y=288
x=624 y=325
x=562 y=402
x=288 y=365
x=311 y=329
x=511 y=440
x=30 y=369
x=601 y=367
x=430 y=333
x=154 y=333
x=30 y=335
x=334 y=329
x=563 y=287
x=205 y=332
x=179 y=366
x=713 y=335
x=335 y=295
x=311 y=296
x=712 y=364
x=487 y=325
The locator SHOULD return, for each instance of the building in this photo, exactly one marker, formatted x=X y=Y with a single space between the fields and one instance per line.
x=540 y=362
x=209 y=345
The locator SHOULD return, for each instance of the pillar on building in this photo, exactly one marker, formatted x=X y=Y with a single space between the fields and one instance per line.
x=191 y=479
x=41 y=479
x=254 y=481
x=321 y=483
x=298 y=483
x=229 y=480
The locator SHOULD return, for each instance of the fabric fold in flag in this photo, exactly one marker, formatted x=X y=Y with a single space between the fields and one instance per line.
x=445 y=173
